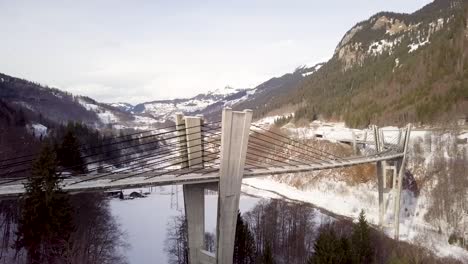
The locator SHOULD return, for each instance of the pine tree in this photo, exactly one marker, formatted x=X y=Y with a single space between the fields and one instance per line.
x=267 y=257
x=330 y=249
x=69 y=155
x=360 y=241
x=244 y=245
x=45 y=223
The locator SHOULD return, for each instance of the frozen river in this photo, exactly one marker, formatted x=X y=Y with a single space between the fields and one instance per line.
x=144 y=220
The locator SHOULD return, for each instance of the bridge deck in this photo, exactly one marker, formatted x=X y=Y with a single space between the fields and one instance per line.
x=112 y=182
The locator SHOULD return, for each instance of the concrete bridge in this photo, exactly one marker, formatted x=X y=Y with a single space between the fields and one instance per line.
x=218 y=158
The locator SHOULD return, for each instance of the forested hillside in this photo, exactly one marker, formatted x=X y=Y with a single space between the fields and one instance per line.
x=392 y=68
x=58 y=106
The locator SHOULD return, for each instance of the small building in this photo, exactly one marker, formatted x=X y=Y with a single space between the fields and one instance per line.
x=462 y=120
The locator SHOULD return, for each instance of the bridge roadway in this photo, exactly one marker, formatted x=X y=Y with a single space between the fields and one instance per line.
x=109 y=182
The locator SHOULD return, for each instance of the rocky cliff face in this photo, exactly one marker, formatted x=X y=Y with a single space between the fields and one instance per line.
x=386 y=32
x=391 y=69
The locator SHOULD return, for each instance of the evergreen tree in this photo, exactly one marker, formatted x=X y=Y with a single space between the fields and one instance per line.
x=69 y=155
x=267 y=257
x=360 y=241
x=244 y=245
x=330 y=249
x=45 y=222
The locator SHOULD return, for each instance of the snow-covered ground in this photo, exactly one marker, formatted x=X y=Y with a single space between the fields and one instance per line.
x=337 y=131
x=145 y=220
x=415 y=46
x=166 y=109
x=105 y=116
x=269 y=120
x=342 y=199
x=38 y=130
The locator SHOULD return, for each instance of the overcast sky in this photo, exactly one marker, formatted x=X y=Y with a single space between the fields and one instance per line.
x=136 y=51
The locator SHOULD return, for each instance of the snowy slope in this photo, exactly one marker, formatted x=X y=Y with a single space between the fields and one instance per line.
x=346 y=200
x=163 y=110
x=337 y=196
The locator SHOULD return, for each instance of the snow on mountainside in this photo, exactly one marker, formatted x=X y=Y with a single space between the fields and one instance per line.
x=117 y=115
x=163 y=110
x=63 y=107
x=385 y=32
x=308 y=71
x=390 y=69
x=122 y=106
x=210 y=104
x=105 y=116
x=60 y=107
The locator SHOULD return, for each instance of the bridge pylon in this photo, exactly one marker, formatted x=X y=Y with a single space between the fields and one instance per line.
x=234 y=139
x=403 y=143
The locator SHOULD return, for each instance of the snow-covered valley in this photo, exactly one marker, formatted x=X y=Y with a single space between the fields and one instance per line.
x=329 y=192
x=146 y=220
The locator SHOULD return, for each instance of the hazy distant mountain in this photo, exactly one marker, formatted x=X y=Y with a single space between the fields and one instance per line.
x=123 y=106
x=166 y=109
x=61 y=107
x=38 y=101
x=210 y=104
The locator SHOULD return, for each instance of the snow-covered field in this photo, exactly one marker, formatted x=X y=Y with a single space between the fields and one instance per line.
x=342 y=199
x=38 y=130
x=145 y=220
x=337 y=131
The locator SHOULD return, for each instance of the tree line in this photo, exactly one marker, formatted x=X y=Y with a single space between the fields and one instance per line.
x=47 y=225
x=277 y=232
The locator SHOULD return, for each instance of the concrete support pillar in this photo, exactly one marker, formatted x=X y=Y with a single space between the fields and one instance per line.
x=399 y=138
x=401 y=173
x=181 y=137
x=194 y=141
x=354 y=142
x=380 y=187
x=234 y=139
x=194 y=202
x=395 y=173
x=384 y=176
x=384 y=171
x=380 y=180
x=382 y=139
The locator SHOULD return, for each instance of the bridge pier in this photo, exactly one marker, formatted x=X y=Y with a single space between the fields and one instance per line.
x=398 y=169
x=380 y=176
x=194 y=204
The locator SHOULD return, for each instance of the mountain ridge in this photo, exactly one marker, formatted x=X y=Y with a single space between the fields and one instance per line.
x=211 y=103
x=390 y=69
